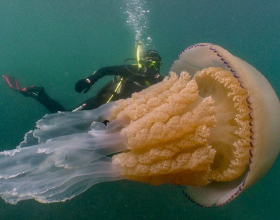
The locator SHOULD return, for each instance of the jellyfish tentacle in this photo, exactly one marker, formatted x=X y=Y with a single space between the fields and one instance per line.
x=65 y=123
x=60 y=168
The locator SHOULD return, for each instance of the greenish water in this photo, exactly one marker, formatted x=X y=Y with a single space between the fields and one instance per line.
x=55 y=43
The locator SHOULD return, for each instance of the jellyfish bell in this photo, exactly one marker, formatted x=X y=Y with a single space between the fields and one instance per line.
x=212 y=123
x=264 y=113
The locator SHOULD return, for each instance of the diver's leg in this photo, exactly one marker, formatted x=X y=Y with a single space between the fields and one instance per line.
x=52 y=105
x=89 y=104
x=39 y=94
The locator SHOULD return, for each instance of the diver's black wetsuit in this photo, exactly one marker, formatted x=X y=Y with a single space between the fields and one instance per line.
x=122 y=86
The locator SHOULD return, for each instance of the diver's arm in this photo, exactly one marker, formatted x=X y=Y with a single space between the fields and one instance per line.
x=108 y=71
x=85 y=84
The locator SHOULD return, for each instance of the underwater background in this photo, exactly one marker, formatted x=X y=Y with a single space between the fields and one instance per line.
x=55 y=43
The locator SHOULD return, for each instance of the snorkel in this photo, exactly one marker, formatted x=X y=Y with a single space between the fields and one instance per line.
x=138 y=55
x=138 y=60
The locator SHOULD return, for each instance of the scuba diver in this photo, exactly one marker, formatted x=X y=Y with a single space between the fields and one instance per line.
x=128 y=79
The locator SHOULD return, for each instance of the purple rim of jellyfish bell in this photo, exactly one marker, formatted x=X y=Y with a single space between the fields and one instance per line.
x=215 y=51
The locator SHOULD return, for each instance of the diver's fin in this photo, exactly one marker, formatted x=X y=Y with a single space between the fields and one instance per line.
x=12 y=83
x=30 y=91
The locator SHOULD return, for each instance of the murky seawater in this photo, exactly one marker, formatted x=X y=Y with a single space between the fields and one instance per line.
x=55 y=43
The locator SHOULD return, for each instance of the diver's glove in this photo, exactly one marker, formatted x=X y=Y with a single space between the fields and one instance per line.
x=83 y=85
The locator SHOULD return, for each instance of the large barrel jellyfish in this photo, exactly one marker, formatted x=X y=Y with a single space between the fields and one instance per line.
x=211 y=125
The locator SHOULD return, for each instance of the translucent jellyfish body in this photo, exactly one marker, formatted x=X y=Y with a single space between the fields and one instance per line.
x=211 y=125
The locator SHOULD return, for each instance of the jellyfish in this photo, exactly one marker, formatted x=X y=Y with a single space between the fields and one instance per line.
x=211 y=126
